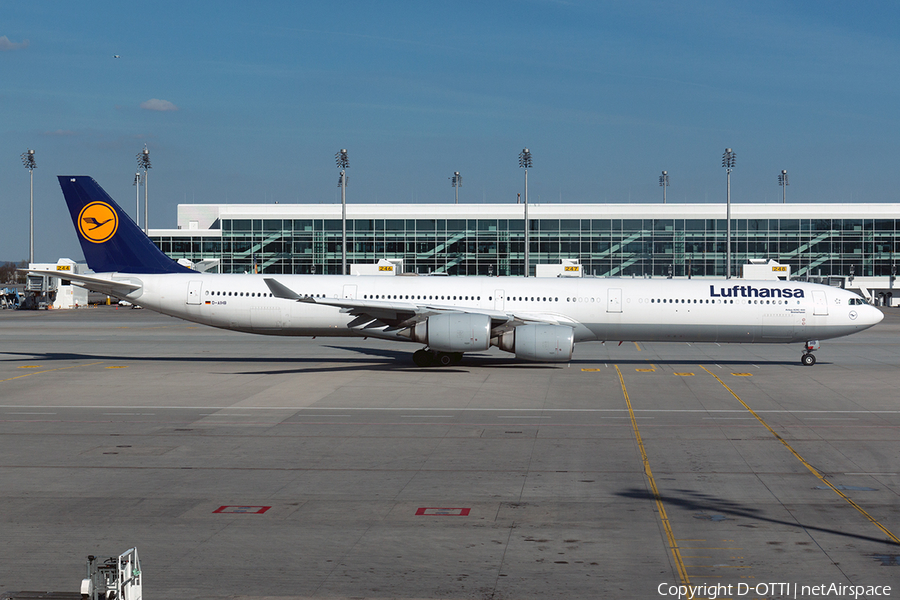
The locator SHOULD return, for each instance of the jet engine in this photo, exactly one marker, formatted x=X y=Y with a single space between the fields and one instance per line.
x=544 y=343
x=454 y=332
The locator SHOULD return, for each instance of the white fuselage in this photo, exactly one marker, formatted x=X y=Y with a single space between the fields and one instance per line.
x=599 y=309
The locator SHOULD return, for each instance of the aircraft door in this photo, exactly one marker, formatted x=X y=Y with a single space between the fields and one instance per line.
x=499 y=300
x=349 y=292
x=193 y=292
x=820 y=304
x=614 y=300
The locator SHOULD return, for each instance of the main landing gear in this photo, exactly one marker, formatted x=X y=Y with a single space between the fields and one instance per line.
x=431 y=358
x=808 y=359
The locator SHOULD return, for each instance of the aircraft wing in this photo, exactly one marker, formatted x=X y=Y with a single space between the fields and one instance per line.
x=103 y=285
x=402 y=314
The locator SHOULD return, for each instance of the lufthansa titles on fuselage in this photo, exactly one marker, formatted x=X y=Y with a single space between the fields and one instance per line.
x=749 y=291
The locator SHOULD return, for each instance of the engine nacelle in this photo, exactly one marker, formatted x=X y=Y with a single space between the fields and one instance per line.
x=454 y=332
x=542 y=343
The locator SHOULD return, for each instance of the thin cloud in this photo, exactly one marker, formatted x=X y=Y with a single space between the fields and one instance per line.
x=60 y=133
x=158 y=105
x=6 y=45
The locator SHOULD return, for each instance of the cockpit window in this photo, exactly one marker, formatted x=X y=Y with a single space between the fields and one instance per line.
x=857 y=301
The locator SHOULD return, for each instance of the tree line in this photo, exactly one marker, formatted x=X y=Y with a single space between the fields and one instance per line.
x=9 y=273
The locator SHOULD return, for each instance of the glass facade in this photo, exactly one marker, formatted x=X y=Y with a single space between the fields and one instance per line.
x=493 y=246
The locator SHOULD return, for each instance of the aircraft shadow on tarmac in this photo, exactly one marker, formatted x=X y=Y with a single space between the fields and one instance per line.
x=375 y=359
x=486 y=360
x=382 y=359
x=719 y=509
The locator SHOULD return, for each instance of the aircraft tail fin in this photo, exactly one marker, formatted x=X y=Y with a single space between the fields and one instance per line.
x=110 y=239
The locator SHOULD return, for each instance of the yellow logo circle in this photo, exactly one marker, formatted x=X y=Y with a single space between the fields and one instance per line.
x=98 y=222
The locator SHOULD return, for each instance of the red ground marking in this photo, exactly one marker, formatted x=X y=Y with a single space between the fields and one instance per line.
x=242 y=510
x=443 y=512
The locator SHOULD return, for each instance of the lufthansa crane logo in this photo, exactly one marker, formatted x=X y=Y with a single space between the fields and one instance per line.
x=98 y=222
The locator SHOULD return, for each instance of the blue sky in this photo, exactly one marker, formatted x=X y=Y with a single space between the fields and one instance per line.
x=605 y=94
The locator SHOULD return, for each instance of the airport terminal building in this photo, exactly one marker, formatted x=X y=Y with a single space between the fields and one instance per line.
x=848 y=241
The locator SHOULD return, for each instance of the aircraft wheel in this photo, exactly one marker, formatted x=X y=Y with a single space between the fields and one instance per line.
x=423 y=358
x=808 y=359
x=444 y=359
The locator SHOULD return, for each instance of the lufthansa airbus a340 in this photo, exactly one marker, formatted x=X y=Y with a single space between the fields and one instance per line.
x=537 y=319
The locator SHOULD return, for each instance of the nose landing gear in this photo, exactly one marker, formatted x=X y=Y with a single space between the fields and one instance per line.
x=808 y=359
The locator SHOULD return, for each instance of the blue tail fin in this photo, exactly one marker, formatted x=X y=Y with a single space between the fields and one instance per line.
x=110 y=240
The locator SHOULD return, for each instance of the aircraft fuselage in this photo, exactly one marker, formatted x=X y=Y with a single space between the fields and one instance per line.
x=608 y=309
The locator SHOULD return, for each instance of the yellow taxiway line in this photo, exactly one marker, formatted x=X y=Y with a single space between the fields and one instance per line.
x=49 y=370
x=673 y=544
x=811 y=468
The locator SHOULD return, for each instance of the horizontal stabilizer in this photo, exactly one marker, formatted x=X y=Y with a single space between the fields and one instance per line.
x=103 y=285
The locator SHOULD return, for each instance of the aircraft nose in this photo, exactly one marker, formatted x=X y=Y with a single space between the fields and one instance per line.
x=878 y=317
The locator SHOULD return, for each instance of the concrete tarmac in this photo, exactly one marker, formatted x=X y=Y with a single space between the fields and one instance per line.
x=254 y=467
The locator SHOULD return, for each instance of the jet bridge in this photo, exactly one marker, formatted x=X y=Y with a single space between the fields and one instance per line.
x=46 y=291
